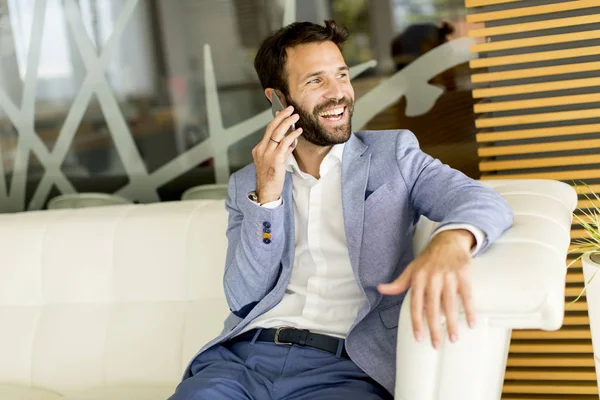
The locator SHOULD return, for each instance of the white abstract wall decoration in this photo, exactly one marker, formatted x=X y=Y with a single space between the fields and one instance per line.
x=411 y=82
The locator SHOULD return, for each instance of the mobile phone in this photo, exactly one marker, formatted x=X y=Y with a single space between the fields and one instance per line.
x=277 y=105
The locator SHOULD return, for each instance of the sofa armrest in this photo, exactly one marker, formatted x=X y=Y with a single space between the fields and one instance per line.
x=518 y=283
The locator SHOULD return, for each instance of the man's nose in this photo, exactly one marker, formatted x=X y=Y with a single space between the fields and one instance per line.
x=334 y=90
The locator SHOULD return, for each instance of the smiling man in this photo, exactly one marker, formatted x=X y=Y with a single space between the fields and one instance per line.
x=320 y=242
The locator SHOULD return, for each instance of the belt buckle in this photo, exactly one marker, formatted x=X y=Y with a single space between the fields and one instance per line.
x=278 y=331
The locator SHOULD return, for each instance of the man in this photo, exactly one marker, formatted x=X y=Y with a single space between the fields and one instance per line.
x=318 y=224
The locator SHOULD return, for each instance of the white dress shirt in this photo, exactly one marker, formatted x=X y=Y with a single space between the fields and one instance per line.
x=322 y=295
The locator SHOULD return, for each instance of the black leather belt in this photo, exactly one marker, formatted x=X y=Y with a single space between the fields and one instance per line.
x=289 y=336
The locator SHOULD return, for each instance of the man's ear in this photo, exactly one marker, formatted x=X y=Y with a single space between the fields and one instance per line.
x=269 y=92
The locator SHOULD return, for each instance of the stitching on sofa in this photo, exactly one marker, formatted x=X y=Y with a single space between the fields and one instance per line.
x=565 y=228
x=35 y=330
x=187 y=301
x=191 y=217
x=532 y=193
x=45 y=301
x=111 y=283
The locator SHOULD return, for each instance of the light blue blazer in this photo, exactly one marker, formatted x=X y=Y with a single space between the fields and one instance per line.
x=387 y=184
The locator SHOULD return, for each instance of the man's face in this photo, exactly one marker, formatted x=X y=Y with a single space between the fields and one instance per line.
x=319 y=89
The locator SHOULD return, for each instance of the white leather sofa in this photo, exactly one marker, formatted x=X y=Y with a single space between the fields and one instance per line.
x=111 y=302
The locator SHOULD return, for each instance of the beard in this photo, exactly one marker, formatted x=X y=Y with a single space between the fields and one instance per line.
x=312 y=129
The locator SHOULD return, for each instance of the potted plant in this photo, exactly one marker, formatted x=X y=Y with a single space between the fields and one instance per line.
x=588 y=249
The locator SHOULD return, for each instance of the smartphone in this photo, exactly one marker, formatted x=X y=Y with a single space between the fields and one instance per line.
x=277 y=105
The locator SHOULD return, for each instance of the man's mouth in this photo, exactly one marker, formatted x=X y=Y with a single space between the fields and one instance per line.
x=333 y=114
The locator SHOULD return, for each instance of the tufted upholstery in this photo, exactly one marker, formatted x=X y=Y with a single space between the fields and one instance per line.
x=109 y=296
x=111 y=303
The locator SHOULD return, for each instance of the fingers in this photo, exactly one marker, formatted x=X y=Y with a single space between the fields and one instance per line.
x=286 y=142
x=434 y=297
x=283 y=128
x=449 y=304
x=437 y=282
x=416 y=305
x=280 y=125
x=277 y=120
x=400 y=285
x=466 y=294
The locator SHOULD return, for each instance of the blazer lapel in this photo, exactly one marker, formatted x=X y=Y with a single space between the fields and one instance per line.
x=355 y=173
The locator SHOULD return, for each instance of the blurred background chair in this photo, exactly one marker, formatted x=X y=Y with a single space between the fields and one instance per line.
x=206 y=192
x=84 y=200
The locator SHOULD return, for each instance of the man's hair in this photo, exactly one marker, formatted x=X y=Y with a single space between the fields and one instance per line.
x=270 y=60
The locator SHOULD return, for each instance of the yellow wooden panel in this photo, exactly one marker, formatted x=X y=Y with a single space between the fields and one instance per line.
x=528 y=11
x=584 y=203
x=574 y=292
x=576 y=319
x=544 y=375
x=546 y=388
x=557 y=175
x=588 y=189
x=572 y=247
x=550 y=396
x=542 y=347
x=534 y=72
x=575 y=268
x=534 y=41
x=579 y=305
x=494 y=151
x=481 y=3
x=537 y=118
x=560 y=334
x=534 y=26
x=579 y=234
x=532 y=351
x=576 y=277
x=586 y=218
x=559 y=360
x=539 y=162
x=538 y=133
x=535 y=87
x=537 y=103
x=532 y=57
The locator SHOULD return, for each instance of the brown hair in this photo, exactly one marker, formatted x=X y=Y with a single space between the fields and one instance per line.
x=269 y=62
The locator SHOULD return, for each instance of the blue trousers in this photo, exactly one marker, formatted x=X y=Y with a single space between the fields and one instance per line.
x=268 y=371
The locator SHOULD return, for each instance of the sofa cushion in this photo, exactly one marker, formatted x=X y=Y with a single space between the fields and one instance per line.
x=130 y=392
x=14 y=392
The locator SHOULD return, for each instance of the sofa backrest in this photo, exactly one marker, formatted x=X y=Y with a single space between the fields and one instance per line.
x=128 y=294
x=110 y=295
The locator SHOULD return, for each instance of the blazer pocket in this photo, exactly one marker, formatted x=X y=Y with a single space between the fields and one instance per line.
x=381 y=192
x=390 y=315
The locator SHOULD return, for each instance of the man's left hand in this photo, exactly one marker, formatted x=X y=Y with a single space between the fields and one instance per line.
x=437 y=278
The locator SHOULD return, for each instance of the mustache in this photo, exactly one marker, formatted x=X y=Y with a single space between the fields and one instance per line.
x=344 y=101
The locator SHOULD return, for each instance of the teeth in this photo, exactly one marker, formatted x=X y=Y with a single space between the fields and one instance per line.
x=335 y=111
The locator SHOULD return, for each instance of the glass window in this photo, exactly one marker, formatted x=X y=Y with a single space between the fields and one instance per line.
x=148 y=98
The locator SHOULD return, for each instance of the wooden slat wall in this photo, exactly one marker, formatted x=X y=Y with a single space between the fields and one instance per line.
x=537 y=87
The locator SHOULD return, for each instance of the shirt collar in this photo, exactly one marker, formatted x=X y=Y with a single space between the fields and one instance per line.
x=336 y=152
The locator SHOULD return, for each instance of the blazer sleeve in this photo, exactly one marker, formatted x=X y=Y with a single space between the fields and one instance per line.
x=255 y=237
x=447 y=196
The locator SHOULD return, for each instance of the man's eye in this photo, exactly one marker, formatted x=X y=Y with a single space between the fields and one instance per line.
x=343 y=75
x=314 y=81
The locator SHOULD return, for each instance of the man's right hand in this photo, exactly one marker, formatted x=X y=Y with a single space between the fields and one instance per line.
x=271 y=153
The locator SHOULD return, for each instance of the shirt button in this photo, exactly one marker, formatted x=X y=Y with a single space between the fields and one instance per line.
x=267 y=235
x=266 y=230
x=266 y=241
x=267 y=224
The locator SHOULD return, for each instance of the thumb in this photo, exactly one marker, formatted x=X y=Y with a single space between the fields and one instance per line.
x=399 y=285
